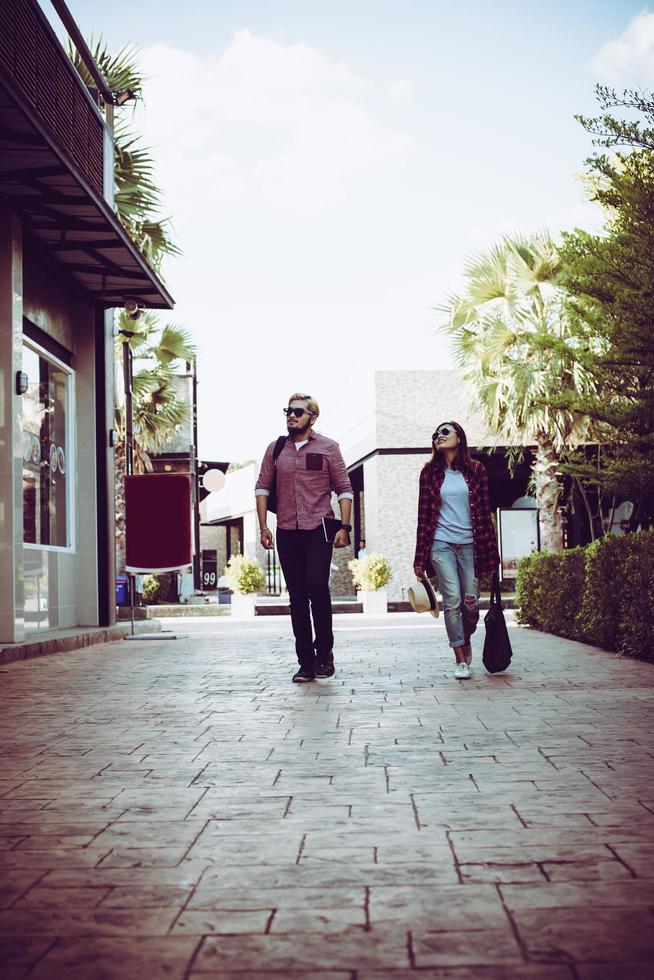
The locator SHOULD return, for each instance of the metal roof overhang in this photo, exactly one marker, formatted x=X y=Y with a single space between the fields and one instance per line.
x=72 y=222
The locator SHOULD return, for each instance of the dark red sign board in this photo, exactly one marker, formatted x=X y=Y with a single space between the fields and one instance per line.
x=158 y=510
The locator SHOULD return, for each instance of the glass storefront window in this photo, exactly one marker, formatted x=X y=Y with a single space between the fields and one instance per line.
x=46 y=473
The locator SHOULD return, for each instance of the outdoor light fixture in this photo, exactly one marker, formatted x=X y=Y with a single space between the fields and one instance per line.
x=22 y=382
x=113 y=438
x=133 y=309
x=123 y=95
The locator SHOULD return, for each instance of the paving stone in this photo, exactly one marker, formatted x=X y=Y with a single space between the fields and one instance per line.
x=223 y=921
x=598 y=894
x=102 y=958
x=218 y=897
x=85 y=922
x=19 y=954
x=64 y=898
x=183 y=809
x=638 y=857
x=345 y=950
x=592 y=934
x=140 y=896
x=624 y=970
x=466 y=946
x=300 y=922
x=13 y=884
x=437 y=907
x=503 y=972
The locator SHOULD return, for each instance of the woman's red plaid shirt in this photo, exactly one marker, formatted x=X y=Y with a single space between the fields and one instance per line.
x=484 y=542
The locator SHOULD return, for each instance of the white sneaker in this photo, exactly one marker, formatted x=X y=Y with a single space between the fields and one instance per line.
x=462 y=671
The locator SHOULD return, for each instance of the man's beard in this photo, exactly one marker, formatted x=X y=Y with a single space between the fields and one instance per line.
x=293 y=431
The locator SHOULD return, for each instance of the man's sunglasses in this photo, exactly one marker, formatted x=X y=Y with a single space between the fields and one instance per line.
x=443 y=431
x=297 y=412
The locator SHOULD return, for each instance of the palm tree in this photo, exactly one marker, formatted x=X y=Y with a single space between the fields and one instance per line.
x=137 y=198
x=502 y=326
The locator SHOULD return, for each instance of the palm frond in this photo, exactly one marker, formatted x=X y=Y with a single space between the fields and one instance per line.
x=119 y=70
x=174 y=344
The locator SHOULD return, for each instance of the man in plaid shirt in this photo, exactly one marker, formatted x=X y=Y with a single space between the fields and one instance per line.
x=307 y=470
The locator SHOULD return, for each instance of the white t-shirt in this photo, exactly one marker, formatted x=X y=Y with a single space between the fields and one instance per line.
x=454 y=518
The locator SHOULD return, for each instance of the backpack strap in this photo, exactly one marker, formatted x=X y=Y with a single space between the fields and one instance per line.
x=279 y=445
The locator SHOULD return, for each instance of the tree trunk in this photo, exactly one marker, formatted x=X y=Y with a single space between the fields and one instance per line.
x=589 y=510
x=119 y=462
x=548 y=491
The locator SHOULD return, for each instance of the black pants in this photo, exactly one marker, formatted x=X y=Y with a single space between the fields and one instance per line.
x=305 y=558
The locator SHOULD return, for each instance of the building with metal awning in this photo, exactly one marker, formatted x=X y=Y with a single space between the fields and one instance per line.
x=65 y=262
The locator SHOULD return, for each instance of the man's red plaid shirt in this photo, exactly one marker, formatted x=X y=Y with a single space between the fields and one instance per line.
x=484 y=542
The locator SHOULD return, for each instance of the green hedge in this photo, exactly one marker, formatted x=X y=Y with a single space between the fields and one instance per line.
x=602 y=594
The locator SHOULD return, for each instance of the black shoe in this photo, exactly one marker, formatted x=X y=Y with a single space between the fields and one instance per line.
x=325 y=668
x=304 y=676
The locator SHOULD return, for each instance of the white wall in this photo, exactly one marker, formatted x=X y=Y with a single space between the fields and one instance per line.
x=236 y=499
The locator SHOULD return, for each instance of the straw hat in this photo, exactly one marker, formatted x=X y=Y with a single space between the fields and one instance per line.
x=423 y=598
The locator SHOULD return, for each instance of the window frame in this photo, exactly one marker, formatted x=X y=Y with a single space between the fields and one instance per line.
x=71 y=453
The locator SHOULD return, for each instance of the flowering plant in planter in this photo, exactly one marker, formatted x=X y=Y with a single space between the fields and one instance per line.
x=370 y=573
x=244 y=575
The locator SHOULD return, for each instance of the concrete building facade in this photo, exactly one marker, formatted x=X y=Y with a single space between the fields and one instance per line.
x=387 y=450
x=65 y=262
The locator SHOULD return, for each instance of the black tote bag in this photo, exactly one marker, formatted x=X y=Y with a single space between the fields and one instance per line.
x=272 y=496
x=497 y=646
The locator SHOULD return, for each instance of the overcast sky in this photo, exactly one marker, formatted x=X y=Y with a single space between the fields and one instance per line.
x=329 y=165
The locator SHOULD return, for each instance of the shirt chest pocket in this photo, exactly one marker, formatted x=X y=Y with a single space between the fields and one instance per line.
x=315 y=461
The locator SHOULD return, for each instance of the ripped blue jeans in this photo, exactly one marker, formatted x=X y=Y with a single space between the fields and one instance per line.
x=455 y=569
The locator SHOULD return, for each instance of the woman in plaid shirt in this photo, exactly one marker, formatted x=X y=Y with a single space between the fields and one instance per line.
x=455 y=539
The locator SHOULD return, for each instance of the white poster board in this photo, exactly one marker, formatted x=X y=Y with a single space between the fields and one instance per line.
x=518 y=536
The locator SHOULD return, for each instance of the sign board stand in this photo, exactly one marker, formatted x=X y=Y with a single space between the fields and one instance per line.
x=518 y=534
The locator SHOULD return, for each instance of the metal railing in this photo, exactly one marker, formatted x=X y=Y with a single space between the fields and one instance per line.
x=32 y=56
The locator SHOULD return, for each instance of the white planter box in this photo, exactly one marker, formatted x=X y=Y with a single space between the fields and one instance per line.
x=243 y=606
x=374 y=602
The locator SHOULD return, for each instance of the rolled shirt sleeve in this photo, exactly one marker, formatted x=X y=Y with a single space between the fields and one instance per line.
x=339 y=475
x=266 y=473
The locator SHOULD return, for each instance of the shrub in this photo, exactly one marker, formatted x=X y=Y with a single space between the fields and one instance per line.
x=244 y=575
x=156 y=588
x=601 y=594
x=549 y=592
x=600 y=606
x=370 y=573
x=635 y=632
x=151 y=588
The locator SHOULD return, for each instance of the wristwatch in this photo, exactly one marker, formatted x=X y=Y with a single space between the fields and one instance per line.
x=346 y=527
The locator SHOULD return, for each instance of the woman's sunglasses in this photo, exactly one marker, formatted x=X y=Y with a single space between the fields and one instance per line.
x=444 y=431
x=297 y=412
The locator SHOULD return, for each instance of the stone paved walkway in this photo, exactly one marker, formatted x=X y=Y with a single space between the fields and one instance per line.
x=179 y=809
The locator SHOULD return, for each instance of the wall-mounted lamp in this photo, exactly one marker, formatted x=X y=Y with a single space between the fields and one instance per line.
x=22 y=382
x=113 y=438
x=132 y=309
x=123 y=95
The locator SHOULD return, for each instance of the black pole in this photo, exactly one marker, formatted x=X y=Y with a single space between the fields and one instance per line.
x=129 y=409
x=84 y=51
x=197 y=572
x=129 y=445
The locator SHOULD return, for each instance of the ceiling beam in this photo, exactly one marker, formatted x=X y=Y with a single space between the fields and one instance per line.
x=99 y=270
x=81 y=246
x=32 y=173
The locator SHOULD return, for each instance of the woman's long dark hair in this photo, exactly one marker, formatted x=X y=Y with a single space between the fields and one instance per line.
x=461 y=461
